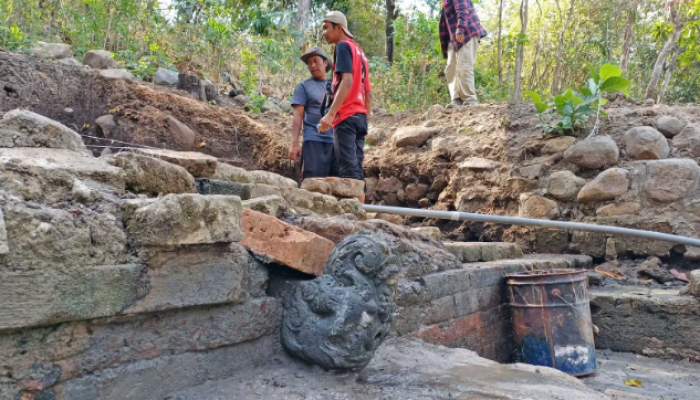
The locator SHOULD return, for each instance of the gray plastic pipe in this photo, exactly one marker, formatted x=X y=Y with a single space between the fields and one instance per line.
x=499 y=219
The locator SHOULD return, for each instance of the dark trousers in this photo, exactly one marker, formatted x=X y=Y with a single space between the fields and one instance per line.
x=318 y=160
x=349 y=146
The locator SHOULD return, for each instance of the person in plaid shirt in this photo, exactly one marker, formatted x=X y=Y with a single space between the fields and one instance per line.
x=460 y=32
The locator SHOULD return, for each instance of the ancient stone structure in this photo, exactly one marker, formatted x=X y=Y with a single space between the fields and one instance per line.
x=338 y=320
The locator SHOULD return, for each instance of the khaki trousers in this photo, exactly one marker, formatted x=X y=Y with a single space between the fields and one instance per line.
x=460 y=71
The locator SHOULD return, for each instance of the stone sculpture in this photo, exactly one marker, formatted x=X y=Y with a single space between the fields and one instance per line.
x=339 y=319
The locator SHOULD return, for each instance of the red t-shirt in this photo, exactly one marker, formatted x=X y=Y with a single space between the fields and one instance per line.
x=349 y=57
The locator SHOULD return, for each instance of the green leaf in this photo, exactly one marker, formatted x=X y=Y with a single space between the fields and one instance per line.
x=569 y=94
x=576 y=100
x=615 y=84
x=559 y=101
x=593 y=87
x=534 y=96
x=568 y=109
x=541 y=107
x=609 y=71
x=593 y=72
x=603 y=113
x=586 y=91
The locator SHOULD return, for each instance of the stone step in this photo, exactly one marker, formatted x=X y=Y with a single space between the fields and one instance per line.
x=474 y=252
x=653 y=322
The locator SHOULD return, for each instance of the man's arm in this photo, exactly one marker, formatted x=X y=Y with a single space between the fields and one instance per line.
x=368 y=102
x=297 y=123
x=462 y=9
x=343 y=90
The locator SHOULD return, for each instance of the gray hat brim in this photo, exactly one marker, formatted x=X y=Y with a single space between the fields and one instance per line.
x=306 y=56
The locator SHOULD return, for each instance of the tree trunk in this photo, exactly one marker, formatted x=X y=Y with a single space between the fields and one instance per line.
x=659 y=65
x=518 y=85
x=303 y=11
x=629 y=33
x=560 y=50
x=500 y=29
x=391 y=15
x=669 y=72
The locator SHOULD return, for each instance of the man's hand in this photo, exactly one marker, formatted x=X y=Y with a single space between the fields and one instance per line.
x=294 y=152
x=460 y=38
x=326 y=122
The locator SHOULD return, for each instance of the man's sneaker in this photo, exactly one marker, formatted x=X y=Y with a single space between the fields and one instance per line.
x=455 y=103
x=471 y=102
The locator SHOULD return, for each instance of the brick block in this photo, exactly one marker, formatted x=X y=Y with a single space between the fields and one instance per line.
x=285 y=244
x=245 y=191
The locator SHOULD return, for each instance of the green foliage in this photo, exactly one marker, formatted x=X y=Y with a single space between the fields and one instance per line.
x=570 y=110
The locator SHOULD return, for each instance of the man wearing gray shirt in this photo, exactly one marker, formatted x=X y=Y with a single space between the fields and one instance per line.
x=316 y=151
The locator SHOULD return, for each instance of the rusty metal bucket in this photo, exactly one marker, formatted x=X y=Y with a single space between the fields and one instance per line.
x=552 y=320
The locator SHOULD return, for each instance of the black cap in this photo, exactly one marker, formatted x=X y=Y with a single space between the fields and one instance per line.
x=317 y=51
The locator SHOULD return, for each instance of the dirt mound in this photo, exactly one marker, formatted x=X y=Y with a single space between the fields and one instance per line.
x=77 y=96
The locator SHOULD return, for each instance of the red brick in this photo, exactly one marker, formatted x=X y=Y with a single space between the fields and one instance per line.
x=285 y=244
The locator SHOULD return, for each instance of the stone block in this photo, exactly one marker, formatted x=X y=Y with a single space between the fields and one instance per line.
x=4 y=244
x=184 y=219
x=246 y=191
x=564 y=185
x=652 y=322
x=198 y=164
x=271 y=205
x=99 y=59
x=471 y=252
x=23 y=128
x=621 y=208
x=285 y=244
x=317 y=185
x=413 y=136
x=48 y=175
x=594 y=153
x=608 y=185
x=162 y=376
x=195 y=276
x=694 y=277
x=533 y=171
x=117 y=75
x=41 y=238
x=33 y=298
x=538 y=207
x=165 y=77
x=52 y=51
x=590 y=243
x=79 y=349
x=145 y=174
x=354 y=207
x=558 y=145
x=478 y=164
x=669 y=126
x=429 y=231
x=227 y=172
x=272 y=179
x=181 y=134
x=313 y=202
x=342 y=187
x=646 y=143
x=687 y=142
x=671 y=180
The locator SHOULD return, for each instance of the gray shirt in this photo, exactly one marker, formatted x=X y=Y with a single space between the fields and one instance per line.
x=309 y=93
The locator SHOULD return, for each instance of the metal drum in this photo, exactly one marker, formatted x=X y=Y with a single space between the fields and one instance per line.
x=552 y=320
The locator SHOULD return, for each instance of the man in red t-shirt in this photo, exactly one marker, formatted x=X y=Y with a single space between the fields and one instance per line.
x=352 y=98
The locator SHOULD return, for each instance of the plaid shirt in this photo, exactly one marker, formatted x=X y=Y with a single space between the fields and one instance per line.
x=458 y=16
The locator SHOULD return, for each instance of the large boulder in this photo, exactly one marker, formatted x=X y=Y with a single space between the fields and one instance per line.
x=184 y=219
x=646 y=143
x=594 y=153
x=343 y=187
x=608 y=185
x=154 y=176
x=165 y=77
x=106 y=125
x=52 y=51
x=198 y=164
x=687 y=143
x=564 y=185
x=285 y=244
x=669 y=126
x=416 y=191
x=376 y=135
x=413 y=136
x=317 y=185
x=23 y=128
x=671 y=180
x=538 y=207
x=99 y=59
